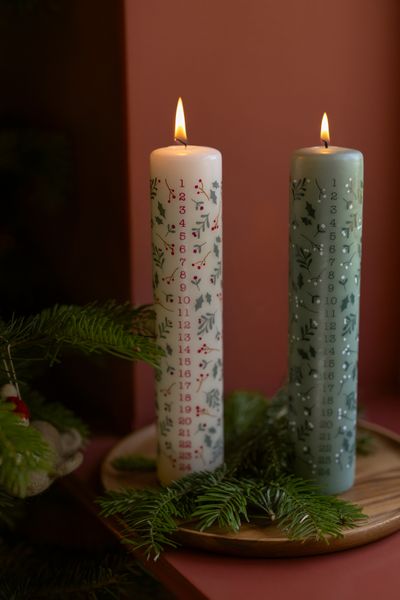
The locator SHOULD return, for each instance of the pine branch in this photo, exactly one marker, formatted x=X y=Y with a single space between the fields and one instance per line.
x=304 y=514
x=150 y=517
x=224 y=503
x=256 y=480
x=22 y=450
x=42 y=572
x=10 y=510
x=92 y=329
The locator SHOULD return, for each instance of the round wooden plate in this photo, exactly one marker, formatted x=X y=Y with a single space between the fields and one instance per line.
x=376 y=490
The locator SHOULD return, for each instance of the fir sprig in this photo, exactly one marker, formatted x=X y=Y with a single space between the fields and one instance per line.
x=91 y=329
x=50 y=573
x=109 y=328
x=256 y=481
x=22 y=450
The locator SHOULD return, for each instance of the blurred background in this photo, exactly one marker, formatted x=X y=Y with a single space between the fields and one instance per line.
x=89 y=87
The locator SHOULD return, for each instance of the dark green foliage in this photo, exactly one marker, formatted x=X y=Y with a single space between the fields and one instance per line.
x=11 y=509
x=22 y=450
x=255 y=482
x=55 y=413
x=109 y=328
x=37 y=572
x=90 y=329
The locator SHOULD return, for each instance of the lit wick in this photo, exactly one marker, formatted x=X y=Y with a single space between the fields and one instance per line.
x=325 y=143
x=181 y=142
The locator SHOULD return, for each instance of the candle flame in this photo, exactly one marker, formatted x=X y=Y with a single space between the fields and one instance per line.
x=180 y=127
x=325 y=129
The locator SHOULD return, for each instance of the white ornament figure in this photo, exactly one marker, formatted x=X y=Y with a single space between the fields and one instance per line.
x=66 y=455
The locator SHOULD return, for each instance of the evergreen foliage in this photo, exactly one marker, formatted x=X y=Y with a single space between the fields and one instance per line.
x=117 y=330
x=255 y=483
x=37 y=572
x=22 y=450
x=109 y=328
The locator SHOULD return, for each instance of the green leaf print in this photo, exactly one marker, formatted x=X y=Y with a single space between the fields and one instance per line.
x=298 y=188
x=158 y=256
x=310 y=210
x=164 y=328
x=303 y=258
x=308 y=330
x=153 y=188
x=161 y=209
x=199 y=302
x=213 y=398
x=344 y=303
x=217 y=273
x=206 y=323
x=349 y=324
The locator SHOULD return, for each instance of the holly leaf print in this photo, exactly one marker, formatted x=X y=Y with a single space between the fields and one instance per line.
x=344 y=303
x=208 y=298
x=312 y=351
x=216 y=250
x=300 y=280
x=168 y=349
x=207 y=440
x=215 y=184
x=310 y=210
x=213 y=196
x=199 y=302
x=306 y=220
x=159 y=220
x=303 y=353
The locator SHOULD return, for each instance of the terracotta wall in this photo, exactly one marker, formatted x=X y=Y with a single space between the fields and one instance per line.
x=255 y=78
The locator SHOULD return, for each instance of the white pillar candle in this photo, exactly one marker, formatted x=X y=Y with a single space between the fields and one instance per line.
x=187 y=283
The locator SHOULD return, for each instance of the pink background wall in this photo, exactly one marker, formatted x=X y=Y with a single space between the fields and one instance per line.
x=255 y=78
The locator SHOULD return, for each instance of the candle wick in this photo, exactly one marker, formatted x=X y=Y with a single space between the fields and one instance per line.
x=181 y=142
x=325 y=143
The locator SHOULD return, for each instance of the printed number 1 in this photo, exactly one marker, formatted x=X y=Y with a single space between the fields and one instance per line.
x=182 y=183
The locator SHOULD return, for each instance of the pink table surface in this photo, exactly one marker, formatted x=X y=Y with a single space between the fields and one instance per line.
x=368 y=572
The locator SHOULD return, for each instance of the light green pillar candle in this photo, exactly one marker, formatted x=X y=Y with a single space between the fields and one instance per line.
x=326 y=185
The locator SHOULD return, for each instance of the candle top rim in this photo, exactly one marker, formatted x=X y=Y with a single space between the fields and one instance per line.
x=330 y=151
x=189 y=150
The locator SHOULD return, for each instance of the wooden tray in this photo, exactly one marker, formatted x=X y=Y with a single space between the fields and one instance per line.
x=377 y=490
